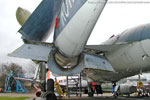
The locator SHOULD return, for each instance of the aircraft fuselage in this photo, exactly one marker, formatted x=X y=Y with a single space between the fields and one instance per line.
x=131 y=58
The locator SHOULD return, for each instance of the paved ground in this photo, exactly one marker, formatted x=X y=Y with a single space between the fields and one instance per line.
x=100 y=97
x=109 y=98
x=105 y=98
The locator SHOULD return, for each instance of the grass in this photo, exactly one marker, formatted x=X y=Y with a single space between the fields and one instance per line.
x=13 y=98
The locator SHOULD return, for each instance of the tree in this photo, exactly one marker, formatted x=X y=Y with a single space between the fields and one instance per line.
x=5 y=70
x=29 y=70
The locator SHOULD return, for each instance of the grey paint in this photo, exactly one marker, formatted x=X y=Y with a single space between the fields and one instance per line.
x=128 y=53
x=135 y=34
x=87 y=61
x=32 y=51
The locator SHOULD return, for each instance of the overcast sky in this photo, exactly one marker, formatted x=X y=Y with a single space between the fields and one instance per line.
x=116 y=17
x=9 y=38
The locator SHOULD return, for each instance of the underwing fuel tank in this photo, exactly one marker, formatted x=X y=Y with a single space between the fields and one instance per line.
x=77 y=19
x=22 y=15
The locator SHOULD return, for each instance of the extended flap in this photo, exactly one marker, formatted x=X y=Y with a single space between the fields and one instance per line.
x=97 y=62
x=32 y=51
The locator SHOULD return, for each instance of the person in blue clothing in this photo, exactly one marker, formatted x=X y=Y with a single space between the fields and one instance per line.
x=113 y=87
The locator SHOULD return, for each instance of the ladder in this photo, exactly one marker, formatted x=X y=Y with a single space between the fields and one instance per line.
x=74 y=85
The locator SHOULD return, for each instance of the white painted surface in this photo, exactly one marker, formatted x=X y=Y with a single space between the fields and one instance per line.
x=72 y=39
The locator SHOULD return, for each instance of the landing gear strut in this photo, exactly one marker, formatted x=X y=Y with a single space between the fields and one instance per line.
x=50 y=95
x=47 y=88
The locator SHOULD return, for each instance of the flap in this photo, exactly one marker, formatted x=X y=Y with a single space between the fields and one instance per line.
x=32 y=51
x=97 y=62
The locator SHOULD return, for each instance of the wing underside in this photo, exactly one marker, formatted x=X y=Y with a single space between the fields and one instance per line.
x=37 y=52
x=44 y=52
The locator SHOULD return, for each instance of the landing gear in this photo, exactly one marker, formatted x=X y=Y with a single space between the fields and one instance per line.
x=50 y=95
x=46 y=91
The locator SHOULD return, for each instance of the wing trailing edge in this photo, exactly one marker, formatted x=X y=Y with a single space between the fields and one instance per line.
x=37 y=52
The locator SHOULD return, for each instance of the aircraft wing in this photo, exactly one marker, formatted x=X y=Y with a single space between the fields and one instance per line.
x=33 y=51
x=40 y=51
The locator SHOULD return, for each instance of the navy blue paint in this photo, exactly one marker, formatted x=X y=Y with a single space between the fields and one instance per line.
x=135 y=34
x=76 y=5
x=41 y=20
